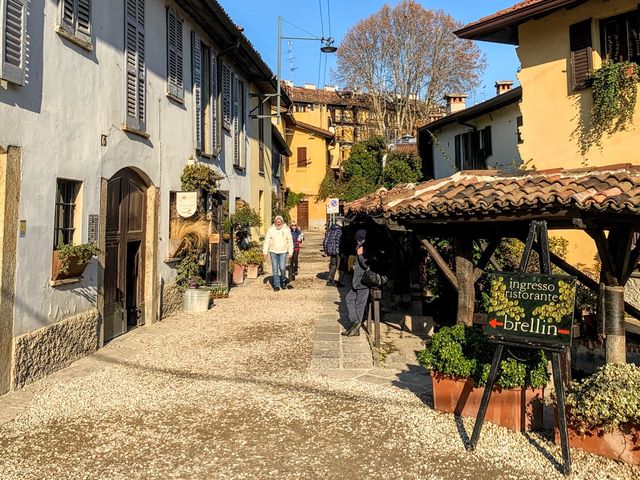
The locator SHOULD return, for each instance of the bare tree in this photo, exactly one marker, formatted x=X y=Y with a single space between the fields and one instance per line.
x=407 y=57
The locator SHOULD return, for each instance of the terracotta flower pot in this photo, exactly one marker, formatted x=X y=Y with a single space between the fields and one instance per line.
x=517 y=409
x=622 y=444
x=238 y=275
x=74 y=268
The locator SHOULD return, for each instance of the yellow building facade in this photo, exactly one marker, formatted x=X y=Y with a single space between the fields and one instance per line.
x=553 y=110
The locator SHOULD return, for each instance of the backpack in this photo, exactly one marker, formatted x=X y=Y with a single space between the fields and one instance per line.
x=372 y=279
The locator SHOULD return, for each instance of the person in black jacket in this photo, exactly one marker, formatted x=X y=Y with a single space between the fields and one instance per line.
x=357 y=298
x=331 y=246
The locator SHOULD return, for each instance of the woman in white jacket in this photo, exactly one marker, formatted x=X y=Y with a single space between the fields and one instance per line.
x=279 y=245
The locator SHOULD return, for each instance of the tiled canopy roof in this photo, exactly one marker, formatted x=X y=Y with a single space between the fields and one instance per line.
x=488 y=194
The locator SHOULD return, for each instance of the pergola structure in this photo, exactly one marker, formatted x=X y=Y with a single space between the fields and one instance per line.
x=486 y=206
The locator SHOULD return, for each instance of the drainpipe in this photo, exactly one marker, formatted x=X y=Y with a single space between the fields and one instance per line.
x=219 y=91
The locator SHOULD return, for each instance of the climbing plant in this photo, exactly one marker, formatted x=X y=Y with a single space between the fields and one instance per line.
x=198 y=177
x=614 y=88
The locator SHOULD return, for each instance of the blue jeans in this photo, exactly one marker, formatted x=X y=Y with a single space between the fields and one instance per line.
x=279 y=268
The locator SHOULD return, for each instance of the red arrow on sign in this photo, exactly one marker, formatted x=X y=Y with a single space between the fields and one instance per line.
x=564 y=332
x=495 y=323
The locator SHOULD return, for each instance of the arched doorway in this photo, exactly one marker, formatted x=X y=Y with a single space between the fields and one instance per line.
x=124 y=291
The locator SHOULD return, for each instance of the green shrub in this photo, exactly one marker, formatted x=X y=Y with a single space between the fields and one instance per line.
x=82 y=252
x=605 y=400
x=464 y=352
x=189 y=273
x=199 y=177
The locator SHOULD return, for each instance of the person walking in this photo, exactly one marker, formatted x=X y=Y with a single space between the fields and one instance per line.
x=331 y=247
x=278 y=245
x=357 y=298
x=298 y=237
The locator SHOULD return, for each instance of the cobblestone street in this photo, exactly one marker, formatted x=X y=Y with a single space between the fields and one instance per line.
x=261 y=386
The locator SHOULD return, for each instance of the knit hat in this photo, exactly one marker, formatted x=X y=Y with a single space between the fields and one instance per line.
x=361 y=235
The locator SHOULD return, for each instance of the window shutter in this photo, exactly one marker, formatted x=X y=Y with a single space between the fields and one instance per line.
x=486 y=141
x=581 y=56
x=135 y=64
x=196 y=60
x=175 y=83
x=83 y=30
x=226 y=96
x=458 y=152
x=302 y=156
x=243 y=119
x=236 y=120
x=13 y=20
x=67 y=15
x=214 y=100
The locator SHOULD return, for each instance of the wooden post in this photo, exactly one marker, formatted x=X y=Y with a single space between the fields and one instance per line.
x=466 y=280
x=615 y=348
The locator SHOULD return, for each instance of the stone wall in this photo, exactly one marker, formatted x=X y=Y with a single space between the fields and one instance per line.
x=171 y=300
x=632 y=292
x=51 y=348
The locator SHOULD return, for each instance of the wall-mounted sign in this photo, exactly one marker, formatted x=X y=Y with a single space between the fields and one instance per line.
x=214 y=238
x=92 y=236
x=532 y=307
x=333 y=206
x=23 y=228
x=186 y=203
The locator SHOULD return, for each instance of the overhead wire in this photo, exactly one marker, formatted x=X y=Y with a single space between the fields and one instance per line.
x=321 y=19
x=329 y=16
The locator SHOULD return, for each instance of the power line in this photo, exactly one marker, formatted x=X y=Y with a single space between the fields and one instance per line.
x=300 y=28
x=321 y=19
x=329 y=16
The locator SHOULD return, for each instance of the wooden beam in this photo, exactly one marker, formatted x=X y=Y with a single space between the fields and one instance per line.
x=485 y=258
x=620 y=241
x=634 y=258
x=466 y=280
x=440 y=262
x=605 y=256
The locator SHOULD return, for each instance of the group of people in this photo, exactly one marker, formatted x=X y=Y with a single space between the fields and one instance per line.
x=282 y=242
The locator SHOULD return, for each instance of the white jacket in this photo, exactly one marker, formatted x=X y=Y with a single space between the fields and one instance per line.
x=278 y=240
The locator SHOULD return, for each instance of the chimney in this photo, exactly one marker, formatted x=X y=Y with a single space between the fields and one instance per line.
x=455 y=102
x=310 y=86
x=288 y=83
x=330 y=88
x=503 y=86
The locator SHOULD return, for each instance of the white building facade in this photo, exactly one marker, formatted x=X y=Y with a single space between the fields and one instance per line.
x=102 y=104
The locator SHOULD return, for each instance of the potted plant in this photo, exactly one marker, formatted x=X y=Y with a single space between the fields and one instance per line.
x=252 y=260
x=70 y=261
x=603 y=413
x=187 y=235
x=459 y=360
x=237 y=272
x=195 y=296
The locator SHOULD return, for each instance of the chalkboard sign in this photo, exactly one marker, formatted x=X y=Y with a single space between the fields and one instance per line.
x=531 y=307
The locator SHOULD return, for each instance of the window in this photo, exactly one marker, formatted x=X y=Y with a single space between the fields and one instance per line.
x=175 y=79
x=204 y=70
x=581 y=60
x=64 y=223
x=135 y=65
x=226 y=97
x=239 y=122
x=74 y=21
x=13 y=32
x=620 y=37
x=302 y=156
x=261 y=147
x=472 y=149
x=519 y=124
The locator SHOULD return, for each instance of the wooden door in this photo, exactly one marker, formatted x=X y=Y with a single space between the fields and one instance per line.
x=303 y=215
x=124 y=255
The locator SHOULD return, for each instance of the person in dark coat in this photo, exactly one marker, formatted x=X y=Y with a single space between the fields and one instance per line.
x=357 y=298
x=298 y=237
x=331 y=247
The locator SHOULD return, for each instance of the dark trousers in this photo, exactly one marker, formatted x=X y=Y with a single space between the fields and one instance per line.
x=293 y=265
x=333 y=267
x=356 y=304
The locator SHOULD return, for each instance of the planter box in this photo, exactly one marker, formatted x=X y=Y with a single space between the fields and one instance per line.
x=517 y=409
x=622 y=445
x=252 y=271
x=196 y=299
x=75 y=269
x=238 y=275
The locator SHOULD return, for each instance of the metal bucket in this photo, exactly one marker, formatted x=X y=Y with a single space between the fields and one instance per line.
x=196 y=299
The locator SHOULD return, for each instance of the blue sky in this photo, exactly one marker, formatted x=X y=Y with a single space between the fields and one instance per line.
x=259 y=18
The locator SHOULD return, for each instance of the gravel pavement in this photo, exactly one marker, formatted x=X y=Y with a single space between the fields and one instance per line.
x=229 y=394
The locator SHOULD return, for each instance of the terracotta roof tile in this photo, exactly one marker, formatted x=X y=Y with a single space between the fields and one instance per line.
x=476 y=194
